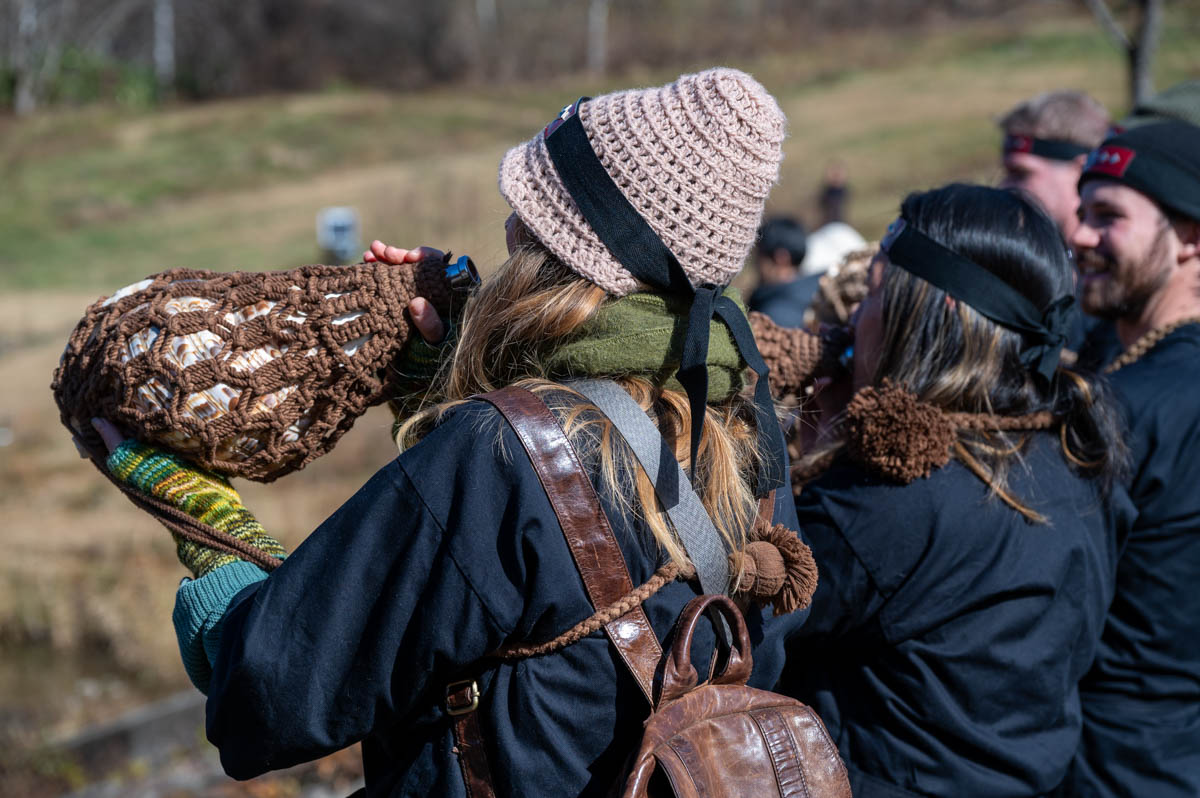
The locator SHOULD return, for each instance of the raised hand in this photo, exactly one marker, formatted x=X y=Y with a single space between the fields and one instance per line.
x=425 y=318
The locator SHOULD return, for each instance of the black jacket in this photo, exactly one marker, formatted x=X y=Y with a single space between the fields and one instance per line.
x=785 y=303
x=1142 y=698
x=948 y=634
x=448 y=552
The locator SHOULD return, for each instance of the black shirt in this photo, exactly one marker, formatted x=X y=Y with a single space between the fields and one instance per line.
x=948 y=634
x=1142 y=698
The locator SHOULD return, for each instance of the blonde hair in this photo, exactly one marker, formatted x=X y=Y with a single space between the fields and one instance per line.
x=519 y=316
x=1063 y=115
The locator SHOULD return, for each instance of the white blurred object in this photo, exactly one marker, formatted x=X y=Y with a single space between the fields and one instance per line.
x=828 y=245
x=338 y=233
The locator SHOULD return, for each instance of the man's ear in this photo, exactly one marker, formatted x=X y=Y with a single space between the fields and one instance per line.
x=1078 y=162
x=1188 y=231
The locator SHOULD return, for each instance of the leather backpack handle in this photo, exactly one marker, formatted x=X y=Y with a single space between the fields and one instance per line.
x=679 y=675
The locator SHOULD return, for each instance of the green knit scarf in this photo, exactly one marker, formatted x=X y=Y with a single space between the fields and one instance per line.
x=642 y=335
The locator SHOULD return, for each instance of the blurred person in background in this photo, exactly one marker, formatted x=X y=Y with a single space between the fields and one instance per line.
x=834 y=238
x=1177 y=102
x=1047 y=138
x=783 y=293
x=374 y=627
x=964 y=512
x=1138 y=250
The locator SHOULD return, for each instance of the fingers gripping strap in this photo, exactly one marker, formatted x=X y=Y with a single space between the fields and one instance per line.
x=695 y=528
x=597 y=556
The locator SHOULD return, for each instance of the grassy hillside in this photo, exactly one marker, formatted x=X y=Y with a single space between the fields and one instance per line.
x=99 y=197
x=96 y=198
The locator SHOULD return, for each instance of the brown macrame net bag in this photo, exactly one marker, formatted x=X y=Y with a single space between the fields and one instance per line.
x=796 y=356
x=248 y=374
x=840 y=291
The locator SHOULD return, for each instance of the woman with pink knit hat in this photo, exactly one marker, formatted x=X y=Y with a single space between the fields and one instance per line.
x=445 y=616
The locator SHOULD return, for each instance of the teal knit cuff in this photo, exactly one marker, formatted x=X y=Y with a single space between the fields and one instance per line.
x=200 y=606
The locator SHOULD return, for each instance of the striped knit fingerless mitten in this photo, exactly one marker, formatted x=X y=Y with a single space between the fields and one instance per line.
x=207 y=497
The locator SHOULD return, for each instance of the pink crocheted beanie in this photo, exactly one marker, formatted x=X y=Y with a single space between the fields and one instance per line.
x=696 y=158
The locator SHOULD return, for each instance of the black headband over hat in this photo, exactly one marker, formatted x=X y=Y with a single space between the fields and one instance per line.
x=631 y=240
x=1044 y=330
x=1161 y=160
x=1053 y=149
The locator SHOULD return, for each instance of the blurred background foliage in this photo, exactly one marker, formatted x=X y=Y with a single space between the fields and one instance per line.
x=77 y=51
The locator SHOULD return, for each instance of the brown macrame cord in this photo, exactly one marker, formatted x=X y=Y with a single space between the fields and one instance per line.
x=894 y=434
x=1147 y=342
x=796 y=356
x=299 y=355
x=249 y=374
x=779 y=570
x=839 y=293
x=183 y=525
x=596 y=621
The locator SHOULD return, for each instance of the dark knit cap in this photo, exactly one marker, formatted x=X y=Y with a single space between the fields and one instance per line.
x=1181 y=102
x=1161 y=160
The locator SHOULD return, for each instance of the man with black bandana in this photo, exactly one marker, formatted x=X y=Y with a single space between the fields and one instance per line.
x=1046 y=141
x=1138 y=251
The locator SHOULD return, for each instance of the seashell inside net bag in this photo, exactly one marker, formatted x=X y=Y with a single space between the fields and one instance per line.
x=249 y=374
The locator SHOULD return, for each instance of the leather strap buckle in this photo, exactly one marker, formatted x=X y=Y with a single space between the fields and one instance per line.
x=462 y=697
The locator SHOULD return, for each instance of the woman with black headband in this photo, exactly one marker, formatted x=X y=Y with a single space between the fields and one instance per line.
x=965 y=516
x=442 y=615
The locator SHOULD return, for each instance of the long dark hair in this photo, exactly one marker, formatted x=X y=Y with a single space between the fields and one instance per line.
x=953 y=357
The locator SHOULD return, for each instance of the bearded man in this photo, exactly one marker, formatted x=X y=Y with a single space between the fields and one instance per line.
x=1138 y=251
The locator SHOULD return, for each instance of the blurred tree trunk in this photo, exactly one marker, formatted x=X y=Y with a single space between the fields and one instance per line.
x=485 y=16
x=42 y=31
x=164 y=45
x=597 y=36
x=1141 y=55
x=23 y=58
x=1139 y=48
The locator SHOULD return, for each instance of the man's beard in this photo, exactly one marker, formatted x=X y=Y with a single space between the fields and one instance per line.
x=1121 y=288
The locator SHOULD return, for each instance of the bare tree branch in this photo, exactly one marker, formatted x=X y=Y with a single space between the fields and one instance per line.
x=597 y=36
x=109 y=23
x=1109 y=23
x=1141 y=54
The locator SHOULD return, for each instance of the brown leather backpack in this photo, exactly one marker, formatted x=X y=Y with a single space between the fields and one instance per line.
x=722 y=738
x=702 y=740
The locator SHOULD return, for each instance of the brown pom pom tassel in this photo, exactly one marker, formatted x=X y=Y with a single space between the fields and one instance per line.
x=777 y=569
x=894 y=434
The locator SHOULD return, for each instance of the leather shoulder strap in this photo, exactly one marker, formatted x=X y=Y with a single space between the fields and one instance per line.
x=766 y=508
x=589 y=536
